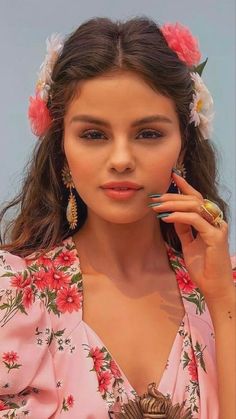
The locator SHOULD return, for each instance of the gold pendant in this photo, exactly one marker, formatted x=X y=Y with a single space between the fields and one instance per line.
x=71 y=212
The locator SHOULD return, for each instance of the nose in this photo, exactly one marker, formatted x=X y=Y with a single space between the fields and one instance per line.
x=121 y=158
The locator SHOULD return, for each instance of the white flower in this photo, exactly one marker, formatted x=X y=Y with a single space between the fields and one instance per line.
x=54 y=47
x=201 y=108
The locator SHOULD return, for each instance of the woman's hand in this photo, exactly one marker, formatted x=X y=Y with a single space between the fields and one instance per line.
x=207 y=256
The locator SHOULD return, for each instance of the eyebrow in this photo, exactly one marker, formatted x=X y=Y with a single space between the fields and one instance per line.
x=102 y=122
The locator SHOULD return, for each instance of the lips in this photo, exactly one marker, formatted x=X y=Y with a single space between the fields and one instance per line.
x=121 y=186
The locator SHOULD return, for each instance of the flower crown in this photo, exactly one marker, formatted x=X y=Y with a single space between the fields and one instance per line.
x=179 y=39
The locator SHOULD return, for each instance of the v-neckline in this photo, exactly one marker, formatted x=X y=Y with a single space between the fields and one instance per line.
x=171 y=256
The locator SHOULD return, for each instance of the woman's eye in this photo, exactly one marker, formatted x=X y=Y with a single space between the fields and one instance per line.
x=92 y=135
x=151 y=134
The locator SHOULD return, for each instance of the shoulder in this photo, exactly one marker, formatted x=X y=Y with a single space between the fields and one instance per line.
x=51 y=281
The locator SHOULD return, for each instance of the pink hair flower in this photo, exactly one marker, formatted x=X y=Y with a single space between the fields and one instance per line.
x=180 y=40
x=38 y=115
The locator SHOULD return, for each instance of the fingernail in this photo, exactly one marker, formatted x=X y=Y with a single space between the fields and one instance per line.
x=163 y=214
x=178 y=172
x=155 y=195
x=154 y=204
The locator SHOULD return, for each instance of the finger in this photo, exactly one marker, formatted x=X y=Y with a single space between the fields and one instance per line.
x=209 y=233
x=184 y=186
x=171 y=196
x=181 y=205
x=185 y=233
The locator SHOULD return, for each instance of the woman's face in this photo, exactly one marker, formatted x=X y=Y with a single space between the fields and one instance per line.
x=106 y=141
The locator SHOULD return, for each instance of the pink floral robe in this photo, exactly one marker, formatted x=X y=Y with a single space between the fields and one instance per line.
x=53 y=365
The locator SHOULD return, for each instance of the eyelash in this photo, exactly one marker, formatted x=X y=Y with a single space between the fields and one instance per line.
x=158 y=134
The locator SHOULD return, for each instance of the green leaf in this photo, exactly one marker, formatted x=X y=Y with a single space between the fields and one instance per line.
x=59 y=332
x=4 y=306
x=76 y=278
x=22 y=309
x=199 y=69
x=8 y=274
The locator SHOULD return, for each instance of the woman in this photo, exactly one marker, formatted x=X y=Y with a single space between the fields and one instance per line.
x=117 y=289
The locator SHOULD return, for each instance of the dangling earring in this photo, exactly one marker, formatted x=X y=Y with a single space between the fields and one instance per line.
x=71 y=210
x=182 y=171
x=181 y=168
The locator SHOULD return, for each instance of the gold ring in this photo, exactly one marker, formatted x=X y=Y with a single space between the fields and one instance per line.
x=211 y=212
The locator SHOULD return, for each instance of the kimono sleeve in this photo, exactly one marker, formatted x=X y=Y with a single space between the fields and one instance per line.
x=27 y=381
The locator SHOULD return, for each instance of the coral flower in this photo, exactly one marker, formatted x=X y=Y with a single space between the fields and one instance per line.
x=98 y=358
x=104 y=379
x=69 y=299
x=3 y=406
x=28 y=297
x=180 y=40
x=114 y=369
x=65 y=258
x=40 y=279
x=57 y=279
x=70 y=400
x=10 y=357
x=38 y=115
x=19 y=281
x=192 y=369
x=185 y=282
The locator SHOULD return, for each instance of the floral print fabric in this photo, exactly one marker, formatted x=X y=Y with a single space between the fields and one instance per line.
x=53 y=365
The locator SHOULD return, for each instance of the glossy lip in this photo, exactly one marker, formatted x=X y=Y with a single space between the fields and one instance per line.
x=129 y=185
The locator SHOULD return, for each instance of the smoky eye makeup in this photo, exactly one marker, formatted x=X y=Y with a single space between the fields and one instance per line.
x=144 y=134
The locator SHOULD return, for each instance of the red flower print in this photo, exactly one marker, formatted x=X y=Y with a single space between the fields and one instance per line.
x=40 y=279
x=10 y=357
x=98 y=357
x=28 y=297
x=10 y=360
x=45 y=261
x=114 y=369
x=192 y=369
x=69 y=299
x=65 y=258
x=104 y=379
x=57 y=279
x=70 y=401
x=234 y=276
x=185 y=282
x=3 y=406
x=19 y=281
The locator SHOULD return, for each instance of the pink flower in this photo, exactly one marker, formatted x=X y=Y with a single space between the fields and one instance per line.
x=192 y=369
x=98 y=357
x=28 y=297
x=70 y=400
x=69 y=299
x=19 y=281
x=57 y=279
x=38 y=115
x=180 y=40
x=104 y=379
x=40 y=279
x=114 y=369
x=184 y=281
x=10 y=357
x=65 y=258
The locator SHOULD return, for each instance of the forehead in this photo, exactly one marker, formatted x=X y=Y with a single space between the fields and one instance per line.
x=117 y=94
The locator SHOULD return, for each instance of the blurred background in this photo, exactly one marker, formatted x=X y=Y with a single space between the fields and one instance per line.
x=24 y=27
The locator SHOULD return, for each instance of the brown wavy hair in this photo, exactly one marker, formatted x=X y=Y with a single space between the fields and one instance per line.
x=98 y=46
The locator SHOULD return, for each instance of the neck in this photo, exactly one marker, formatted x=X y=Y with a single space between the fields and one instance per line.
x=121 y=250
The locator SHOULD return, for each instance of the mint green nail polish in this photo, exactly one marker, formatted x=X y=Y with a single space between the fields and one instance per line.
x=155 y=195
x=163 y=214
x=154 y=204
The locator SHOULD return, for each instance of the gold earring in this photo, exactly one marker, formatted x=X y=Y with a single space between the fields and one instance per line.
x=71 y=210
x=181 y=168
